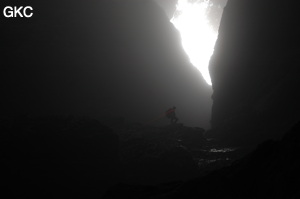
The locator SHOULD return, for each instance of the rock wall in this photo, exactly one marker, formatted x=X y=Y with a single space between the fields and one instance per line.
x=109 y=58
x=255 y=71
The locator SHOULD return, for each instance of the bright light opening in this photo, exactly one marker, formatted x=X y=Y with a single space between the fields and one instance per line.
x=197 y=35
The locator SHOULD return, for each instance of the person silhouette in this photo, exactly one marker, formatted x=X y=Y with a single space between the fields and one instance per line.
x=170 y=113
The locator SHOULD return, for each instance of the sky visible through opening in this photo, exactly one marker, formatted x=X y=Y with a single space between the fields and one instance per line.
x=197 y=33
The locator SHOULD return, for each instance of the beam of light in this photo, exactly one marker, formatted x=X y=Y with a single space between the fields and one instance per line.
x=197 y=35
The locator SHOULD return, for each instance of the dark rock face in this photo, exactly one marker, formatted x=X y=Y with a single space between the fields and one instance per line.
x=255 y=71
x=270 y=171
x=154 y=155
x=57 y=157
x=105 y=58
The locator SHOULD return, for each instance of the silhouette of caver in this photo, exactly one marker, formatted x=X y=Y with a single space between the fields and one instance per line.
x=170 y=113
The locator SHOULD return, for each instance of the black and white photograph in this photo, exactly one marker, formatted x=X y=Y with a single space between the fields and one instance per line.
x=149 y=99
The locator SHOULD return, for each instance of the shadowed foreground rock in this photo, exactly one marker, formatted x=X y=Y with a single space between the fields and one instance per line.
x=271 y=171
x=154 y=155
x=57 y=157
